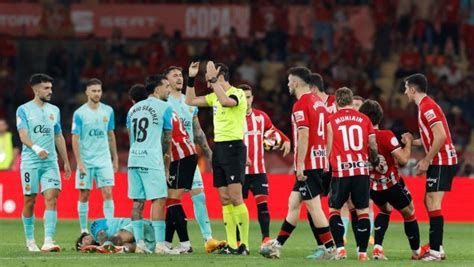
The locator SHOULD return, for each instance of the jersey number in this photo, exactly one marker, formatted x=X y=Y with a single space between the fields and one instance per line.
x=140 y=127
x=321 y=125
x=349 y=137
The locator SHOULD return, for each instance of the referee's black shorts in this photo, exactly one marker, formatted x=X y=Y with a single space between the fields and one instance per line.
x=228 y=163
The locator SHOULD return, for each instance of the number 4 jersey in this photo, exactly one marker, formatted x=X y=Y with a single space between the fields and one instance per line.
x=350 y=147
x=146 y=121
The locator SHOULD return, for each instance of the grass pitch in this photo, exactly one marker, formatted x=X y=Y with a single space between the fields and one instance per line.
x=458 y=243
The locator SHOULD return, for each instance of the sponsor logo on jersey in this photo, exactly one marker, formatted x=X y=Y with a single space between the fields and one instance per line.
x=353 y=165
x=42 y=129
x=96 y=132
x=298 y=116
x=317 y=153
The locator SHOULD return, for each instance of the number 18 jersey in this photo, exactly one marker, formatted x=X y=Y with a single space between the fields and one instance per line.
x=146 y=121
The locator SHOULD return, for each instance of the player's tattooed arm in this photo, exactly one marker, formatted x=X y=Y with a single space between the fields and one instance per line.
x=200 y=138
x=373 y=151
x=137 y=210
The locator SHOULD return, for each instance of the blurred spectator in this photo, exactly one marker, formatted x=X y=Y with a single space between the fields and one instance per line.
x=323 y=28
x=450 y=71
x=248 y=71
x=460 y=129
x=8 y=152
x=410 y=61
x=449 y=14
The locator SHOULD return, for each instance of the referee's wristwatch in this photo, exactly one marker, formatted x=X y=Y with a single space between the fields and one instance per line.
x=212 y=80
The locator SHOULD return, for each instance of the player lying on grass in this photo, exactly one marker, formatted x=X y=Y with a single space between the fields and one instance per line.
x=114 y=235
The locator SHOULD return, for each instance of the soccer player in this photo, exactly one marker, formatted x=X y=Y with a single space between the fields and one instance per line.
x=113 y=235
x=309 y=117
x=439 y=164
x=256 y=180
x=350 y=135
x=150 y=123
x=229 y=157
x=317 y=88
x=188 y=115
x=387 y=188
x=95 y=149
x=39 y=126
x=357 y=101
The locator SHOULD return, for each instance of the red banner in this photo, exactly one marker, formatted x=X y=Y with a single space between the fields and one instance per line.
x=457 y=205
x=135 y=21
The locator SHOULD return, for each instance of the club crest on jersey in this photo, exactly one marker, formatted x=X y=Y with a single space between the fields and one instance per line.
x=105 y=120
x=430 y=115
x=298 y=116
x=353 y=165
x=27 y=187
x=258 y=119
x=81 y=183
x=51 y=117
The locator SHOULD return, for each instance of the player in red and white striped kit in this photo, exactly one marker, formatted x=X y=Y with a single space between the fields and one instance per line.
x=350 y=135
x=309 y=117
x=440 y=161
x=387 y=188
x=256 y=180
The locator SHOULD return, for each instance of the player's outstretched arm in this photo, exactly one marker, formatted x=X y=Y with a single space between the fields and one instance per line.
x=200 y=138
x=61 y=146
x=191 y=98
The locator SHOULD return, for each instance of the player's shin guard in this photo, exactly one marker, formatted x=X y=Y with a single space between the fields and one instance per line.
x=412 y=232
x=314 y=229
x=83 y=211
x=371 y=218
x=241 y=217
x=179 y=218
x=29 y=226
x=363 y=231
x=337 y=228
x=345 y=221
x=436 y=229
x=138 y=231
x=263 y=216
x=354 y=221
x=200 y=212
x=326 y=237
x=159 y=227
x=230 y=225
x=50 y=220
x=285 y=232
x=381 y=225
x=108 y=208
x=169 y=233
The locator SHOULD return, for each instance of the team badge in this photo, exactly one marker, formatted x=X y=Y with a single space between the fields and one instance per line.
x=105 y=120
x=27 y=187
x=430 y=115
x=258 y=119
x=81 y=183
x=51 y=117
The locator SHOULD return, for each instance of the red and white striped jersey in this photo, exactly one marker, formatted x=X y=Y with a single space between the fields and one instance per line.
x=386 y=176
x=257 y=124
x=429 y=114
x=181 y=144
x=330 y=104
x=350 y=147
x=309 y=112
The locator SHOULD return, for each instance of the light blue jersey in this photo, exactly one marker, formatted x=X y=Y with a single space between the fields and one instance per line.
x=111 y=226
x=185 y=112
x=146 y=121
x=42 y=123
x=92 y=126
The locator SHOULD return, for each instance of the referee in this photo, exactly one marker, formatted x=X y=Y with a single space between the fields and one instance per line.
x=228 y=162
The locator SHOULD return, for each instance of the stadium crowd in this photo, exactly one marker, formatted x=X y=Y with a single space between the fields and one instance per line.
x=432 y=37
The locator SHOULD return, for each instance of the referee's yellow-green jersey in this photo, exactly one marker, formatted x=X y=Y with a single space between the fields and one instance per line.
x=229 y=122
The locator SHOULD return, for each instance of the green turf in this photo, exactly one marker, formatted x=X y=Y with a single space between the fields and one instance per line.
x=458 y=243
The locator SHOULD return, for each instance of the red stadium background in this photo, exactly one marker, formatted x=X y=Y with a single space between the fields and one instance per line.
x=457 y=205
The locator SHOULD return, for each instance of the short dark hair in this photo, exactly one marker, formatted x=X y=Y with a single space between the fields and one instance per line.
x=137 y=92
x=153 y=81
x=245 y=87
x=171 y=68
x=317 y=80
x=301 y=72
x=38 y=78
x=93 y=81
x=358 y=97
x=344 y=97
x=224 y=71
x=419 y=81
x=79 y=241
x=373 y=110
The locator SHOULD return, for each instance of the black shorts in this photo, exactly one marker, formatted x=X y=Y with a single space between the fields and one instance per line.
x=257 y=183
x=398 y=196
x=228 y=163
x=312 y=187
x=440 y=178
x=357 y=187
x=182 y=173
x=326 y=182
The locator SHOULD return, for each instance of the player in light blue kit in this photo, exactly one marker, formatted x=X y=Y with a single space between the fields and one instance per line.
x=188 y=115
x=95 y=149
x=150 y=124
x=39 y=126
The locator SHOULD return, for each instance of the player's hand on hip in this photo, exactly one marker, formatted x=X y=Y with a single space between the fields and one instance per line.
x=286 y=147
x=422 y=166
x=67 y=171
x=193 y=69
x=300 y=175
